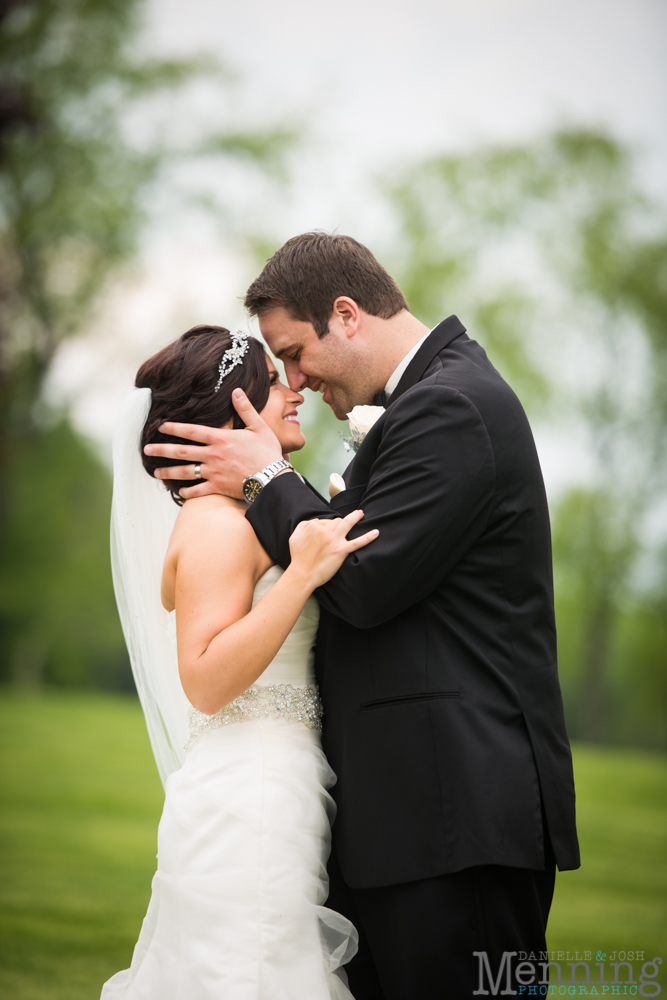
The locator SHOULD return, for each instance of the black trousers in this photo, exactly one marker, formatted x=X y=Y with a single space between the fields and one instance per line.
x=416 y=940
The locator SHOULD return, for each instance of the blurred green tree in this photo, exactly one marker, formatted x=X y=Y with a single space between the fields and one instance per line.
x=82 y=139
x=58 y=608
x=74 y=171
x=558 y=263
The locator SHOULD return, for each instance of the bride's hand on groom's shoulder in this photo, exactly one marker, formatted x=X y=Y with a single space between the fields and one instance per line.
x=320 y=547
x=227 y=456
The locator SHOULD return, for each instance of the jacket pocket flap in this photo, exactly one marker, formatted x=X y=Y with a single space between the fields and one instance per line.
x=348 y=500
x=409 y=699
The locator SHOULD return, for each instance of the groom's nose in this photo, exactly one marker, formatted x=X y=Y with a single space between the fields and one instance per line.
x=296 y=379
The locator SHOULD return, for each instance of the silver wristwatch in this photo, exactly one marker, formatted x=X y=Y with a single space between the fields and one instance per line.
x=253 y=485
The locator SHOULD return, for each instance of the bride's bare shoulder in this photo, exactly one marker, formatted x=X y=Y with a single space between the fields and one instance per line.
x=212 y=534
x=215 y=513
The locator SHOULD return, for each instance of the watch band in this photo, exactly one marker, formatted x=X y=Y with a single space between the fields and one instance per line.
x=274 y=468
x=253 y=485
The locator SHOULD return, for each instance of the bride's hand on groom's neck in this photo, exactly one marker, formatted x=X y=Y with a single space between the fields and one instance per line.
x=223 y=457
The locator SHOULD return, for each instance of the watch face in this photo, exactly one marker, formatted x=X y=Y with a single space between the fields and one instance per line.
x=251 y=489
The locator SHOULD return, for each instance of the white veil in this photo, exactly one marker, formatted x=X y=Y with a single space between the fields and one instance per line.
x=142 y=519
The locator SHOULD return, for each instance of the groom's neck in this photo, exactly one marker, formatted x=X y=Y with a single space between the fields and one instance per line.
x=390 y=340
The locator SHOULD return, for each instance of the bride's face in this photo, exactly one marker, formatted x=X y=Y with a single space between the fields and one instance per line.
x=280 y=412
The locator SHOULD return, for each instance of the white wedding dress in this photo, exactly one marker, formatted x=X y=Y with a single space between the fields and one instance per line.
x=237 y=910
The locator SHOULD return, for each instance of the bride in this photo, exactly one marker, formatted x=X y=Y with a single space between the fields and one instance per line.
x=221 y=647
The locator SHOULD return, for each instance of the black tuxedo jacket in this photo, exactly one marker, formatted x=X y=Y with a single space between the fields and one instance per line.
x=436 y=652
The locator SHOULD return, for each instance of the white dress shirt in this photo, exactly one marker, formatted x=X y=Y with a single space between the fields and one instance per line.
x=395 y=376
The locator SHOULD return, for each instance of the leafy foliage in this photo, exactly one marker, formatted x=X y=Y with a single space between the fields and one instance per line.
x=57 y=607
x=557 y=261
x=81 y=148
x=79 y=151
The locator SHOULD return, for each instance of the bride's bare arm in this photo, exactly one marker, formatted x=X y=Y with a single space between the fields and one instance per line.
x=223 y=645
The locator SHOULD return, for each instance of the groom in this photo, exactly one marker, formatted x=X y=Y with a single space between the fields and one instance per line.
x=436 y=654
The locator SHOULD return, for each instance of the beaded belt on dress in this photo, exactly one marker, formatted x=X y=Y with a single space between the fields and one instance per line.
x=273 y=701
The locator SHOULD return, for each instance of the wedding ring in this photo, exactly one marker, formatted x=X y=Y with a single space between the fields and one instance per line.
x=198 y=470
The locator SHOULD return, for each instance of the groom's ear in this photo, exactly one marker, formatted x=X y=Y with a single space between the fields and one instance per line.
x=346 y=315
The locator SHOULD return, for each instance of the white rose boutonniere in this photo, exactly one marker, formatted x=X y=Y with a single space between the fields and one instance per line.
x=361 y=420
x=336 y=484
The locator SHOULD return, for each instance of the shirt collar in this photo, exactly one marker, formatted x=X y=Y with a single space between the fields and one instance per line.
x=395 y=377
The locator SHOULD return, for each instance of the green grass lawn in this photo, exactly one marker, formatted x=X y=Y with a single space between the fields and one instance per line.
x=79 y=804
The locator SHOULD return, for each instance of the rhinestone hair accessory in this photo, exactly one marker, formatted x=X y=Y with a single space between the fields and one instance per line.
x=233 y=356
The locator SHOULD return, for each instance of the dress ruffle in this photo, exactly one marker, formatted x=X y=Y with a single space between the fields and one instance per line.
x=237 y=908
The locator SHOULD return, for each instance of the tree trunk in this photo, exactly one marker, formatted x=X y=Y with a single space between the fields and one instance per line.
x=29 y=662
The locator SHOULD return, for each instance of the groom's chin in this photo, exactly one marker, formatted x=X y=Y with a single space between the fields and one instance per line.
x=340 y=412
x=338 y=407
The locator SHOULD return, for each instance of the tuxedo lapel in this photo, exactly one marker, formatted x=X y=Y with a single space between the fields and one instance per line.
x=436 y=341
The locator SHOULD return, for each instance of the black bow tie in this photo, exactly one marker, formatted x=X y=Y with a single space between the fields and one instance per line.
x=380 y=398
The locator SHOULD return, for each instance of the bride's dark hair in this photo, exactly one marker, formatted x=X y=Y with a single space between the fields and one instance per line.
x=182 y=378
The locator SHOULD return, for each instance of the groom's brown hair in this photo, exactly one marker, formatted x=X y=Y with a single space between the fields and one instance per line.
x=310 y=271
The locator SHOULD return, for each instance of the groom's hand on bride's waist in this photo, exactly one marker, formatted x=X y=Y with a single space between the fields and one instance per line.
x=224 y=458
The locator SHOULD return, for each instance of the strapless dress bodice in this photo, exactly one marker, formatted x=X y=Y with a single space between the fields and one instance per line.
x=294 y=661
x=286 y=689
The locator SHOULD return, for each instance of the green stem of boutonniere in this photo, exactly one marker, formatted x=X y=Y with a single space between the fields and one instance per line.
x=349 y=443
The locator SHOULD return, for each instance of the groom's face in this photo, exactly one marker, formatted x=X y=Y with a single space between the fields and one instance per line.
x=330 y=364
